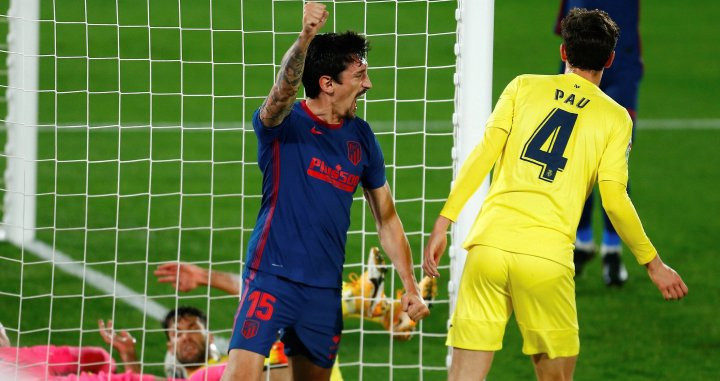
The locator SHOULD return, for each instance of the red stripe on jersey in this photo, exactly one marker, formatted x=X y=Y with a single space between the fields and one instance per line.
x=273 y=203
x=246 y=286
x=266 y=230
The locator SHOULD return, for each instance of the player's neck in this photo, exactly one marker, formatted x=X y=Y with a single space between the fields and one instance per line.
x=593 y=76
x=323 y=109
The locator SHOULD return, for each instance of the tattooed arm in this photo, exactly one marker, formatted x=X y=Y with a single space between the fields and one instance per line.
x=282 y=95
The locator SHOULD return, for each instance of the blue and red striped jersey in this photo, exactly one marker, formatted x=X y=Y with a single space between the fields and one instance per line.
x=311 y=170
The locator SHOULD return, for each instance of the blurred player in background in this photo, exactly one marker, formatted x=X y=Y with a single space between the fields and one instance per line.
x=621 y=82
x=550 y=138
x=313 y=155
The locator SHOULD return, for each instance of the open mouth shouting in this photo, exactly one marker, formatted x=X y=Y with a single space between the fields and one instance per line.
x=353 y=106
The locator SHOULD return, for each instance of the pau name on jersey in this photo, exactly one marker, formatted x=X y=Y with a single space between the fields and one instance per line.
x=571 y=99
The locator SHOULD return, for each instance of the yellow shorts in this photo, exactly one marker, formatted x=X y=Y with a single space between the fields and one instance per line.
x=540 y=291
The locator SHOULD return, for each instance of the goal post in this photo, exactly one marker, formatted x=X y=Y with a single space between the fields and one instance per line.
x=473 y=80
x=129 y=144
x=18 y=224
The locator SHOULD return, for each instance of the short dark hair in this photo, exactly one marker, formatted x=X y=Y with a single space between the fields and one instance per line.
x=329 y=54
x=181 y=312
x=589 y=38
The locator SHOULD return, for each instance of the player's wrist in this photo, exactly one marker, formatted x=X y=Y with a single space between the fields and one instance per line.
x=133 y=366
x=202 y=277
x=412 y=288
x=441 y=224
x=305 y=37
x=128 y=356
x=654 y=264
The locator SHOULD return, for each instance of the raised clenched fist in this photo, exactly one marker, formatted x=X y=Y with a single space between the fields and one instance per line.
x=314 y=17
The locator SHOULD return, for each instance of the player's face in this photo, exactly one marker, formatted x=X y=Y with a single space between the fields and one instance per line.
x=354 y=83
x=188 y=338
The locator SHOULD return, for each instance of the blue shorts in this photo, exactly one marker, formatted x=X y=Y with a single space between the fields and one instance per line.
x=309 y=318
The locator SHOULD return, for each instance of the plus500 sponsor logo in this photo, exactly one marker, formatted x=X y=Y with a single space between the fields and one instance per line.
x=335 y=176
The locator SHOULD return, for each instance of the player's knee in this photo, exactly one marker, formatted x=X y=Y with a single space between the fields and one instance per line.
x=243 y=365
x=557 y=369
x=553 y=376
x=304 y=369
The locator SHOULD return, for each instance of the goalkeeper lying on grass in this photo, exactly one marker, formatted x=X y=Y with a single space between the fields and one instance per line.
x=362 y=296
x=59 y=363
x=192 y=353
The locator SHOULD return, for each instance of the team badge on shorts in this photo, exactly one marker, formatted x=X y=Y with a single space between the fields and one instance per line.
x=334 y=347
x=250 y=328
x=354 y=152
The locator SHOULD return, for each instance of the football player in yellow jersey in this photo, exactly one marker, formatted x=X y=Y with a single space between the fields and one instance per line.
x=621 y=82
x=550 y=138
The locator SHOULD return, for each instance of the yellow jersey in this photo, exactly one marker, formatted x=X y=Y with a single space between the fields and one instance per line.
x=550 y=138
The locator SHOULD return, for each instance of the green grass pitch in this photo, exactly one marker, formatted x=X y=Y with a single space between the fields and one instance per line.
x=118 y=199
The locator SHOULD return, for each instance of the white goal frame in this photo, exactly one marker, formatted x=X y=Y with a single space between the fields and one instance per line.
x=473 y=104
x=18 y=224
x=473 y=98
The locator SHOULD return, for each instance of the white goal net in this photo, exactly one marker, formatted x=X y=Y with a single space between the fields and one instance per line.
x=127 y=144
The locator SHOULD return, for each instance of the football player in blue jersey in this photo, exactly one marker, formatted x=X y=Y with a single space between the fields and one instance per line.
x=620 y=82
x=313 y=154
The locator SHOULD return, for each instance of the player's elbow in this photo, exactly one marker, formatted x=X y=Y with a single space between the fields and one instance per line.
x=389 y=226
x=610 y=205
x=612 y=210
x=614 y=198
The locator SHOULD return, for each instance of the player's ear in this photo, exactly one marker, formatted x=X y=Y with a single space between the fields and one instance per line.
x=326 y=84
x=610 y=60
x=563 y=53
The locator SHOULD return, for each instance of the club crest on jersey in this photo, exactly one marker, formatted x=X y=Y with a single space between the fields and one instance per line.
x=250 y=328
x=354 y=152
